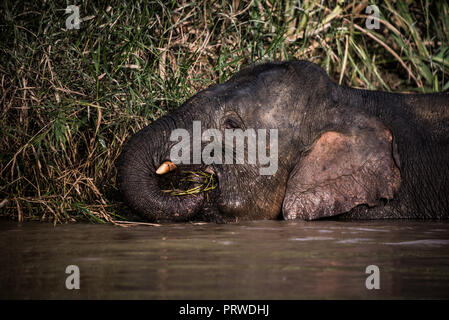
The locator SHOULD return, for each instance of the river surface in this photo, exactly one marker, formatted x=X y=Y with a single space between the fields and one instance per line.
x=250 y=260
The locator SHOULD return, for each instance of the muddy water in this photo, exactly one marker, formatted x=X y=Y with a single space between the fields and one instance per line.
x=253 y=260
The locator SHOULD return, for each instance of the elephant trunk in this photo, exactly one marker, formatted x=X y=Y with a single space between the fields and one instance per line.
x=137 y=177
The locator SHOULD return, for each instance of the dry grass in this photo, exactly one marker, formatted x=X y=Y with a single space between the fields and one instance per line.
x=70 y=98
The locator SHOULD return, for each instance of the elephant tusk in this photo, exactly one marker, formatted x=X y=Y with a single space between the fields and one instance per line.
x=165 y=167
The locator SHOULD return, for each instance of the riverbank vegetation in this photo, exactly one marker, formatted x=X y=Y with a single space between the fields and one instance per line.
x=70 y=98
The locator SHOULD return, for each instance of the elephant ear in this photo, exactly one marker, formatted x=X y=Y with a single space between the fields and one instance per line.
x=342 y=171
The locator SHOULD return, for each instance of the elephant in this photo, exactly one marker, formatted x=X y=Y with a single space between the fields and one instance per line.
x=342 y=152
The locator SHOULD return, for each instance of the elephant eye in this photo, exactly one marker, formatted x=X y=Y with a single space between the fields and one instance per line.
x=231 y=123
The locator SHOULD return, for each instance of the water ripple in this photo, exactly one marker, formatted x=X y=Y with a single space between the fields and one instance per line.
x=312 y=238
x=425 y=242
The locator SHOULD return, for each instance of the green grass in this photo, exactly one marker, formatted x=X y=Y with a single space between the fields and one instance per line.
x=70 y=98
x=199 y=181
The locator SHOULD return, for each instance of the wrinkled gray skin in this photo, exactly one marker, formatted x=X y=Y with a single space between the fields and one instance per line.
x=406 y=135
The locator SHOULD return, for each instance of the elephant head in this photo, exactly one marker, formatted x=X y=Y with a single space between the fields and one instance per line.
x=330 y=156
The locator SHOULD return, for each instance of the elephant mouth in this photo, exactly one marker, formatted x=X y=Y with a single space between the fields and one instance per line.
x=187 y=181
